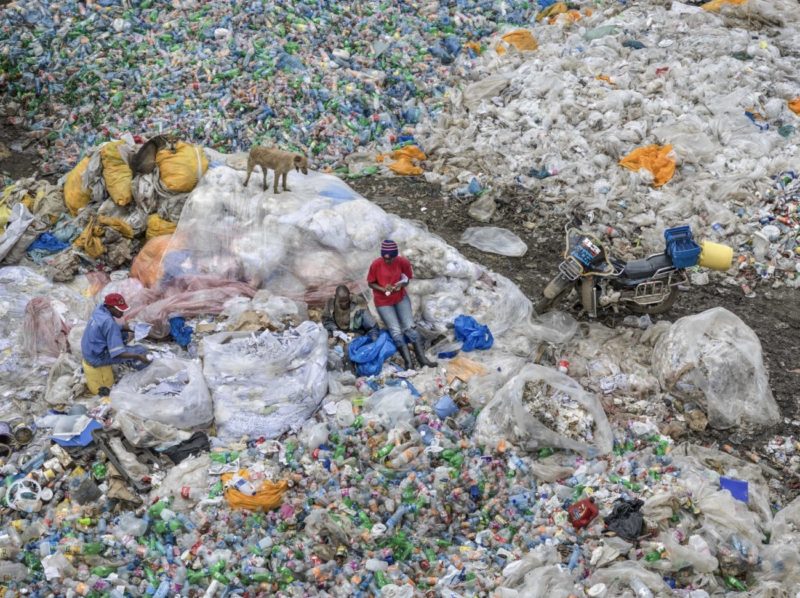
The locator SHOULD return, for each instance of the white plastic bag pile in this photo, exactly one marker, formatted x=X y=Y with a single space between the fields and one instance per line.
x=557 y=120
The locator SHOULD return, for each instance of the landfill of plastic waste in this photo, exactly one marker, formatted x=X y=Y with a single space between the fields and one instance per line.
x=538 y=457
x=623 y=113
x=248 y=456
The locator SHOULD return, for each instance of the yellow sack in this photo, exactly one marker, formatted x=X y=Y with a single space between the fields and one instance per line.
x=521 y=39
x=794 y=106
x=182 y=170
x=269 y=496
x=655 y=158
x=96 y=378
x=716 y=5
x=91 y=239
x=75 y=195
x=117 y=174
x=118 y=225
x=405 y=157
x=157 y=226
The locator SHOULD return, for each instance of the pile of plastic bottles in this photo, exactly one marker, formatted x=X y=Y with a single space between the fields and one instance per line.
x=326 y=77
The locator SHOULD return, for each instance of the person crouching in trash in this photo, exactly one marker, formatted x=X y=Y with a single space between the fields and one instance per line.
x=102 y=343
x=349 y=314
x=389 y=276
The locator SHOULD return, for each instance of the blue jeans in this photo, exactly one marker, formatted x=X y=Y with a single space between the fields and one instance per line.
x=399 y=319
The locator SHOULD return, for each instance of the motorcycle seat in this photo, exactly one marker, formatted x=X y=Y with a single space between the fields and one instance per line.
x=639 y=269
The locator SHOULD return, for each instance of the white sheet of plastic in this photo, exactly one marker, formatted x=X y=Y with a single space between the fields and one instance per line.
x=169 y=391
x=19 y=221
x=265 y=384
x=494 y=239
x=302 y=243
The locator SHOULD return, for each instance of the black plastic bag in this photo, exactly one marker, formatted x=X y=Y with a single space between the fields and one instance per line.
x=625 y=519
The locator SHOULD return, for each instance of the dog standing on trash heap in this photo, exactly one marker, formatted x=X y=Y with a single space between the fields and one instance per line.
x=144 y=161
x=279 y=161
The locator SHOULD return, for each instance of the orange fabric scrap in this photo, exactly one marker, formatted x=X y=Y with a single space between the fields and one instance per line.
x=658 y=159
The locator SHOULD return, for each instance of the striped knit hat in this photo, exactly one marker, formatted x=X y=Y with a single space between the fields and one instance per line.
x=389 y=247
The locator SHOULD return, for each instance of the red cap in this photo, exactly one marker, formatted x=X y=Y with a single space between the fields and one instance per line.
x=116 y=300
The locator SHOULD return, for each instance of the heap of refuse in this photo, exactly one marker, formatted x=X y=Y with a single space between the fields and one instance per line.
x=329 y=78
x=638 y=116
x=538 y=457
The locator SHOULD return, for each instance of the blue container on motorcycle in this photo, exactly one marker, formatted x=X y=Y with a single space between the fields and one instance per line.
x=681 y=248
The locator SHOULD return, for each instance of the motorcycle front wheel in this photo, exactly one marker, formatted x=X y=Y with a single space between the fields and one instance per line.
x=559 y=287
x=656 y=308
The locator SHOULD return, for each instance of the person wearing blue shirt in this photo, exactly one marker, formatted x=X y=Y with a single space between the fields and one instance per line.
x=102 y=343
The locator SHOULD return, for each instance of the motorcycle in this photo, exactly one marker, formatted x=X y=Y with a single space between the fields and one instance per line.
x=645 y=286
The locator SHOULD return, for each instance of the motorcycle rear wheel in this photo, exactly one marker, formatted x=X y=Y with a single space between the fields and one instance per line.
x=656 y=308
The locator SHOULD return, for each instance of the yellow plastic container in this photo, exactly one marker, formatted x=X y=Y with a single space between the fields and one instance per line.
x=96 y=378
x=715 y=256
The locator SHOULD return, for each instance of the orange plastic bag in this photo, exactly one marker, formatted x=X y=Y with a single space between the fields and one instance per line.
x=715 y=5
x=268 y=497
x=552 y=10
x=117 y=174
x=464 y=368
x=794 y=106
x=521 y=39
x=76 y=196
x=404 y=160
x=147 y=265
x=658 y=159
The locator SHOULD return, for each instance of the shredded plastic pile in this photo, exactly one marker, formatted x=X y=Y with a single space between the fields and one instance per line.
x=639 y=115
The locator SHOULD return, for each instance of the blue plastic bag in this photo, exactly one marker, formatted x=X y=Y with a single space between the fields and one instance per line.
x=472 y=335
x=181 y=333
x=369 y=356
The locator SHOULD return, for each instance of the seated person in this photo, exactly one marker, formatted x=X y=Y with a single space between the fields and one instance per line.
x=348 y=314
x=102 y=343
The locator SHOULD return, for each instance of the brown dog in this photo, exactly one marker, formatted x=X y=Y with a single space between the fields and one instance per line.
x=144 y=161
x=279 y=161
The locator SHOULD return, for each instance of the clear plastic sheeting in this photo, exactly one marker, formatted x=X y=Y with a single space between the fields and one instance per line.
x=265 y=384
x=303 y=243
x=507 y=417
x=715 y=359
x=493 y=239
x=169 y=391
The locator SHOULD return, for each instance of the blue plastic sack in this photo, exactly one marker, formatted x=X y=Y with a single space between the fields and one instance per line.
x=181 y=333
x=369 y=356
x=47 y=243
x=472 y=335
x=445 y=407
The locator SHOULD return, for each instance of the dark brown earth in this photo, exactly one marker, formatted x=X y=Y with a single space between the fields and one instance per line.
x=774 y=314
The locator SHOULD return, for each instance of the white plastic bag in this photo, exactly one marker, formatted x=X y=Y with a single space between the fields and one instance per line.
x=392 y=405
x=715 y=359
x=170 y=391
x=493 y=239
x=264 y=384
x=505 y=417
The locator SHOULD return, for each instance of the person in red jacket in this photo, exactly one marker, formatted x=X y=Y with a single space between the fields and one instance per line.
x=388 y=277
